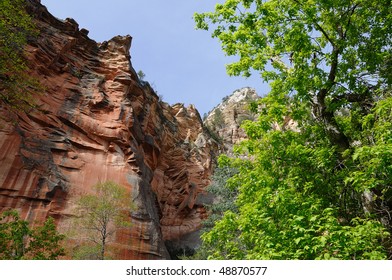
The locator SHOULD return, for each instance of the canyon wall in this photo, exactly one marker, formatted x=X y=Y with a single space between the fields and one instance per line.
x=96 y=121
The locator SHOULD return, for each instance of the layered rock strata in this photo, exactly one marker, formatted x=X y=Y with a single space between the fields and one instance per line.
x=96 y=121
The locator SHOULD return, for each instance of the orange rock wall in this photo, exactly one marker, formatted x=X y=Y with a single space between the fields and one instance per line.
x=97 y=121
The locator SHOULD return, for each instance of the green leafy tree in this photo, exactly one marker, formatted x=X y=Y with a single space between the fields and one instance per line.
x=141 y=75
x=327 y=54
x=12 y=235
x=320 y=188
x=218 y=120
x=100 y=215
x=296 y=202
x=17 y=87
x=19 y=241
x=224 y=195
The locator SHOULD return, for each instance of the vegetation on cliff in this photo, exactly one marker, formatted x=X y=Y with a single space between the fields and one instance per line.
x=321 y=190
x=16 y=85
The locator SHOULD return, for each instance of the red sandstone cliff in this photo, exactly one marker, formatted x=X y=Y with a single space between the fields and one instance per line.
x=96 y=121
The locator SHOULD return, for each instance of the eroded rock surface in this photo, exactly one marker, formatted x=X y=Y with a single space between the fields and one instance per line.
x=225 y=119
x=97 y=121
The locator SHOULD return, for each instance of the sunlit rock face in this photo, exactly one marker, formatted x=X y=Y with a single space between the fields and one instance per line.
x=225 y=120
x=96 y=122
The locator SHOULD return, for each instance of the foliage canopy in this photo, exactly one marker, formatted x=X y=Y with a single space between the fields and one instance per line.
x=317 y=181
x=16 y=85
x=19 y=241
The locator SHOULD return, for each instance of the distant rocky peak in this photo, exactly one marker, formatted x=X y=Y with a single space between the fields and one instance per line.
x=225 y=119
x=239 y=96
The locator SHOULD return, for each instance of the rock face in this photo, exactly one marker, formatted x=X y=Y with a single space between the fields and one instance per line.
x=96 y=122
x=225 y=119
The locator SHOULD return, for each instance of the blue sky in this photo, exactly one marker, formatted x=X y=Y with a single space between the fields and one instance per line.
x=184 y=65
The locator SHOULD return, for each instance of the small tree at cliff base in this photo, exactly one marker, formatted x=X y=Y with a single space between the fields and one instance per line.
x=19 y=241
x=99 y=216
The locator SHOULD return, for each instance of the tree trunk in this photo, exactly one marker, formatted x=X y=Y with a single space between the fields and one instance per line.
x=103 y=249
x=103 y=243
x=324 y=114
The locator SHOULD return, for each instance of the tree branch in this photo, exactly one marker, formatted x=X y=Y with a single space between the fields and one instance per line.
x=331 y=78
x=351 y=12
x=317 y=25
x=336 y=136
